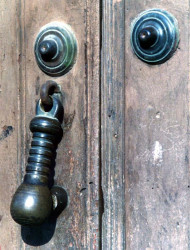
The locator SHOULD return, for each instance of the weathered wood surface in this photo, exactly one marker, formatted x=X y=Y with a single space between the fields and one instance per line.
x=112 y=124
x=10 y=133
x=153 y=133
x=144 y=120
x=157 y=140
x=77 y=162
x=76 y=167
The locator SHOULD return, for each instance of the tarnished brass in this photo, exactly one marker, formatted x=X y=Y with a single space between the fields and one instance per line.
x=55 y=49
x=33 y=201
x=154 y=36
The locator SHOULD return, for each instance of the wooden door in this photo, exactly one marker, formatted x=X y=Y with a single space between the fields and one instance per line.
x=124 y=156
x=77 y=162
x=145 y=135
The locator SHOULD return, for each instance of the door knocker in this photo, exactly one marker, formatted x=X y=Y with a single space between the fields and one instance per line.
x=33 y=201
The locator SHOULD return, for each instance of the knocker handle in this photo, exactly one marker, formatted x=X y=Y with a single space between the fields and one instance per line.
x=33 y=201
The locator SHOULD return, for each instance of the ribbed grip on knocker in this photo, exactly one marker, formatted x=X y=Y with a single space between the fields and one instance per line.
x=32 y=203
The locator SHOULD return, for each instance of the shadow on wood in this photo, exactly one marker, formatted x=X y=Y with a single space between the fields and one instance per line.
x=42 y=234
x=39 y=235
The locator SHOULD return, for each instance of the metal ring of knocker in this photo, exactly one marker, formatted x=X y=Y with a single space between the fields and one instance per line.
x=47 y=89
x=33 y=201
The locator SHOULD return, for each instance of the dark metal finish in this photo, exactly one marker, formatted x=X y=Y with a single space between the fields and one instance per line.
x=48 y=50
x=147 y=37
x=55 y=49
x=47 y=89
x=60 y=200
x=154 y=36
x=33 y=201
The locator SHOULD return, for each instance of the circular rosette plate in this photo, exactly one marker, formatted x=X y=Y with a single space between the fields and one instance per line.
x=55 y=49
x=154 y=36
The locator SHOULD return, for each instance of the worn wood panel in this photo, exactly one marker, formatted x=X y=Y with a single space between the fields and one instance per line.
x=10 y=133
x=145 y=135
x=77 y=163
x=157 y=141
x=112 y=124
x=93 y=182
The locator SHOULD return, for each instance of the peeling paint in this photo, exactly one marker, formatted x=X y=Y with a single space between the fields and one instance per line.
x=157 y=153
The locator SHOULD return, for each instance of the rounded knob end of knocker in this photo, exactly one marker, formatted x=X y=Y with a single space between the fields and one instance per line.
x=31 y=204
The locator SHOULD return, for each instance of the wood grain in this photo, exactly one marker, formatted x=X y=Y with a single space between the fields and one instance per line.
x=94 y=203
x=77 y=169
x=145 y=135
x=112 y=124
x=144 y=201
x=157 y=140
x=77 y=163
x=10 y=133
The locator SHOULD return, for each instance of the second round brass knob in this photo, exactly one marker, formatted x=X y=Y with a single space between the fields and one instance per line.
x=154 y=36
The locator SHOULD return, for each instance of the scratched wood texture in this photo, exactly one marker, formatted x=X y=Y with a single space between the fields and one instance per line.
x=112 y=123
x=77 y=162
x=144 y=129
x=157 y=140
x=145 y=135
x=10 y=133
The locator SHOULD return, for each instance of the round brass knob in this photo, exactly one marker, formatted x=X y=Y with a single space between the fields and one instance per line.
x=32 y=204
x=147 y=37
x=55 y=49
x=48 y=50
x=154 y=36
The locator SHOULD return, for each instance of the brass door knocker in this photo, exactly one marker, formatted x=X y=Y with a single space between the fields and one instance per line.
x=34 y=201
